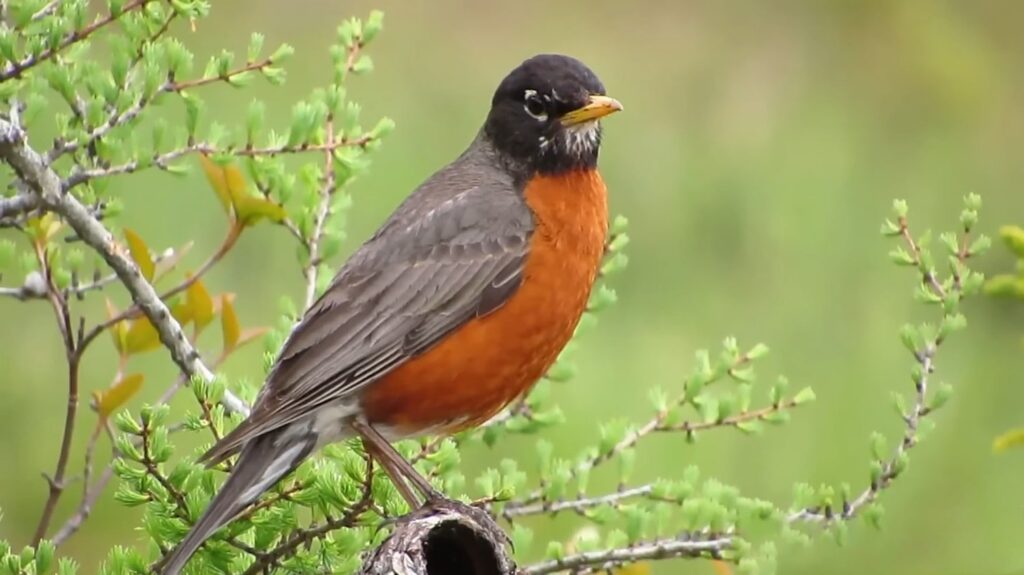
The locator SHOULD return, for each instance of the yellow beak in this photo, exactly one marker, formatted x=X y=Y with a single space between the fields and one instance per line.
x=597 y=107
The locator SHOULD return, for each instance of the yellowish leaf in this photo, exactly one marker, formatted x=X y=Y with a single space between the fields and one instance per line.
x=1014 y=238
x=1012 y=438
x=108 y=401
x=141 y=337
x=229 y=322
x=227 y=181
x=119 y=330
x=140 y=253
x=200 y=304
x=181 y=312
x=252 y=209
x=43 y=227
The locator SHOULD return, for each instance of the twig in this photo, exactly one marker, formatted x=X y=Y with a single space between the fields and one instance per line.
x=915 y=250
x=689 y=427
x=46 y=10
x=323 y=210
x=517 y=509
x=17 y=205
x=656 y=423
x=302 y=537
x=62 y=314
x=601 y=561
x=162 y=161
x=248 y=67
x=16 y=69
x=892 y=467
x=119 y=119
x=92 y=495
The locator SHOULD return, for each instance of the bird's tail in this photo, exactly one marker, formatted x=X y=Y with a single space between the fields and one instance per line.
x=261 y=464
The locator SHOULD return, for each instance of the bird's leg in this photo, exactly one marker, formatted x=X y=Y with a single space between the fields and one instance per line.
x=396 y=465
x=396 y=478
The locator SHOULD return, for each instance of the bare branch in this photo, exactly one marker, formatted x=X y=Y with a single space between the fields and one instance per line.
x=516 y=509
x=601 y=561
x=323 y=210
x=63 y=316
x=17 y=205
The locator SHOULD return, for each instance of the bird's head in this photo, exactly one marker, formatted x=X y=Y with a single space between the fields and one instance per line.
x=546 y=114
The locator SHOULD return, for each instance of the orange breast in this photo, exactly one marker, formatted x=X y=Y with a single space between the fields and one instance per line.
x=484 y=365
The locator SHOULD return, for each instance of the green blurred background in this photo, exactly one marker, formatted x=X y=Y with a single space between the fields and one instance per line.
x=761 y=146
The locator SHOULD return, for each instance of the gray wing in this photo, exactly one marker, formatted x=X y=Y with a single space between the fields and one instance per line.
x=425 y=273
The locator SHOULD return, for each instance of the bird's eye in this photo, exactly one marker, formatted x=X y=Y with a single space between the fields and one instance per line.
x=535 y=106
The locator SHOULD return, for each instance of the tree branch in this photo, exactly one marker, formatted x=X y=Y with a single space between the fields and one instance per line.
x=62 y=313
x=892 y=467
x=16 y=69
x=17 y=205
x=602 y=561
x=31 y=168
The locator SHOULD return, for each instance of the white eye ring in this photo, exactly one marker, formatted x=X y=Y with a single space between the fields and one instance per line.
x=534 y=106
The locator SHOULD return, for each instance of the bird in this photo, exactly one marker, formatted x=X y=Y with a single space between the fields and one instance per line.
x=456 y=306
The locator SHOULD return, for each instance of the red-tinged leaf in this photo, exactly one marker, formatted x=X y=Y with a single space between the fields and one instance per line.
x=119 y=330
x=141 y=337
x=200 y=304
x=170 y=262
x=252 y=209
x=721 y=567
x=109 y=400
x=229 y=322
x=227 y=181
x=140 y=253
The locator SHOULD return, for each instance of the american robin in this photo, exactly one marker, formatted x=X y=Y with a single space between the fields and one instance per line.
x=457 y=305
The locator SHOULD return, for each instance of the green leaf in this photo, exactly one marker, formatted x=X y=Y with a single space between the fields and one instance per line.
x=758 y=351
x=805 y=395
x=901 y=257
x=44 y=556
x=1013 y=236
x=373 y=25
x=980 y=246
x=879 y=448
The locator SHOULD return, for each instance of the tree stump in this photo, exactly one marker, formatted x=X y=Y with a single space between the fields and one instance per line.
x=443 y=538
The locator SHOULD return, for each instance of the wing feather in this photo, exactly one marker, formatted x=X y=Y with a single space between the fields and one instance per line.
x=395 y=298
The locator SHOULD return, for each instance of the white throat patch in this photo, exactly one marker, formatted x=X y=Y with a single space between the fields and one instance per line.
x=578 y=140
